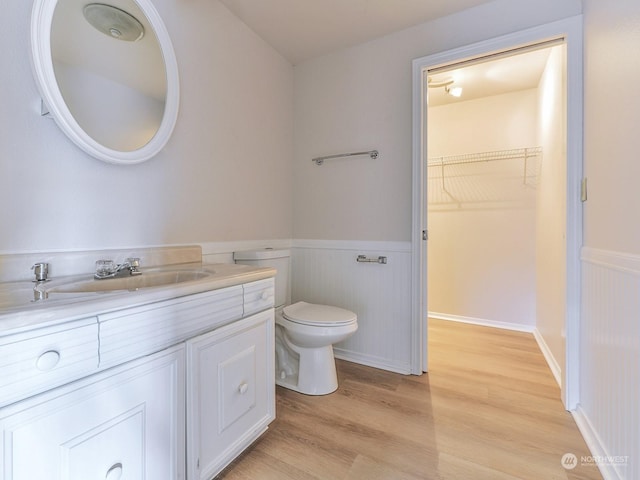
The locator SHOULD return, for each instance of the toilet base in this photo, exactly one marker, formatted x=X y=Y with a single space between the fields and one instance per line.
x=290 y=382
x=311 y=371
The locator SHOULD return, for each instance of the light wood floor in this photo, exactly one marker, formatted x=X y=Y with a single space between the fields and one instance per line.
x=489 y=408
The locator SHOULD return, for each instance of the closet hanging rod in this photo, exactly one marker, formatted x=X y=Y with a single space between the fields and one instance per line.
x=320 y=160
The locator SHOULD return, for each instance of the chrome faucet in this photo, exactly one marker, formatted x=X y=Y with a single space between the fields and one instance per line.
x=41 y=270
x=109 y=269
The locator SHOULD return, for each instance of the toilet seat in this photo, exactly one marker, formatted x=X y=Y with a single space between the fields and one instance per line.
x=311 y=314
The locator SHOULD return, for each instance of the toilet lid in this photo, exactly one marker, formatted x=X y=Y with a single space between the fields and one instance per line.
x=318 y=315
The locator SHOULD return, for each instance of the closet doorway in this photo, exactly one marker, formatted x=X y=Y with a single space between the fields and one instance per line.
x=496 y=194
x=496 y=160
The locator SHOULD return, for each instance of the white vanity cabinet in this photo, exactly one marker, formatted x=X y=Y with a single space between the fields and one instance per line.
x=123 y=423
x=230 y=392
x=169 y=390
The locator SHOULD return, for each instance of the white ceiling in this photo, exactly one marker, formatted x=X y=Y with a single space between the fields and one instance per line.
x=508 y=74
x=304 y=29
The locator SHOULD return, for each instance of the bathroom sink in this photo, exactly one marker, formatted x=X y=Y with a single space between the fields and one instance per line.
x=146 y=280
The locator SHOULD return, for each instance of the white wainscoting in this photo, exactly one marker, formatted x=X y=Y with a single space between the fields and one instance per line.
x=608 y=414
x=326 y=272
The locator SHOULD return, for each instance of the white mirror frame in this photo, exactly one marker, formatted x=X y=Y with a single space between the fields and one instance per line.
x=42 y=62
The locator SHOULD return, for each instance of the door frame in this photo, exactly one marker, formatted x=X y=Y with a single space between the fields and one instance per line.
x=570 y=30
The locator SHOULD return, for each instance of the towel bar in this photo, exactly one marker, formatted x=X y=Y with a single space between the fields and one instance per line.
x=320 y=160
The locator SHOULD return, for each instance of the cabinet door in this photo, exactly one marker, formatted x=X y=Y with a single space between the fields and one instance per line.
x=126 y=423
x=230 y=392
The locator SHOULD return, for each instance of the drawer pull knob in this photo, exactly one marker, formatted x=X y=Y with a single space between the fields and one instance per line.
x=243 y=388
x=47 y=361
x=265 y=295
x=115 y=472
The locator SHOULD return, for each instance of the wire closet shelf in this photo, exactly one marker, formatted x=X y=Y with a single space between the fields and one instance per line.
x=512 y=154
x=484 y=177
x=516 y=153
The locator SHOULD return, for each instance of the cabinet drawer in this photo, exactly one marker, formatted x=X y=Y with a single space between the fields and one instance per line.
x=259 y=296
x=41 y=359
x=135 y=332
x=230 y=392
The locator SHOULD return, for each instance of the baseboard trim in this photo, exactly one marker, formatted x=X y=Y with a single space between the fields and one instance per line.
x=595 y=445
x=548 y=356
x=482 y=322
x=370 y=361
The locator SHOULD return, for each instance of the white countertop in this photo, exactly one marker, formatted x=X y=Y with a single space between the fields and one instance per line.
x=20 y=312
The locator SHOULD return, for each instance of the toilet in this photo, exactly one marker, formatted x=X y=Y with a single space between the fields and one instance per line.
x=305 y=332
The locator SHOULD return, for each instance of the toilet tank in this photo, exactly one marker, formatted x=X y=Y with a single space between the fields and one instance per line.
x=271 y=257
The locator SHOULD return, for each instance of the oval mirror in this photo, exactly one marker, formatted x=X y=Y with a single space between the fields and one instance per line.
x=107 y=74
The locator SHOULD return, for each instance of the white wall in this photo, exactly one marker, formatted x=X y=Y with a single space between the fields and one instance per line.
x=481 y=255
x=611 y=125
x=551 y=211
x=225 y=174
x=610 y=336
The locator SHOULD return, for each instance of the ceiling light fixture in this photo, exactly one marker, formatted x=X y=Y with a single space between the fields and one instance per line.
x=448 y=87
x=453 y=91
x=114 y=22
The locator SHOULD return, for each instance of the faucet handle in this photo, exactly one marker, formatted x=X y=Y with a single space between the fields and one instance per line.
x=133 y=262
x=41 y=270
x=134 y=265
x=105 y=268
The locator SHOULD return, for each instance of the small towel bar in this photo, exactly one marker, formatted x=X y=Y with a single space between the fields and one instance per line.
x=320 y=160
